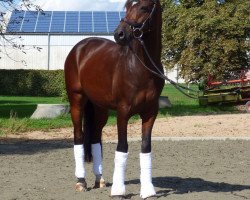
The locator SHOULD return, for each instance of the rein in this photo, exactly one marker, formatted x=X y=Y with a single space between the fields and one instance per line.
x=160 y=74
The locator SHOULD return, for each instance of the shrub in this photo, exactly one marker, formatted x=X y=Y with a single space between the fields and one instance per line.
x=32 y=82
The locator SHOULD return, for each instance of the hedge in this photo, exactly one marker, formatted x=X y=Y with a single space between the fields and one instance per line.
x=32 y=82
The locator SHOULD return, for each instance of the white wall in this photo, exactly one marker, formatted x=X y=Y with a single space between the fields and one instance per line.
x=12 y=58
x=51 y=58
x=60 y=45
x=173 y=75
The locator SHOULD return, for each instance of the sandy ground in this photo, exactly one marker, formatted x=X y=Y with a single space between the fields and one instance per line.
x=229 y=125
x=40 y=165
x=183 y=170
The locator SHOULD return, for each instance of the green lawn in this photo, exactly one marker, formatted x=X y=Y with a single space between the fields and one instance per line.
x=182 y=105
x=15 y=111
x=22 y=106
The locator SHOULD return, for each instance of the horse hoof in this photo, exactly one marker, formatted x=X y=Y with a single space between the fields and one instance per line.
x=117 y=197
x=100 y=184
x=81 y=187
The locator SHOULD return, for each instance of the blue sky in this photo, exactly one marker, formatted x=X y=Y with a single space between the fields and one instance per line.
x=81 y=4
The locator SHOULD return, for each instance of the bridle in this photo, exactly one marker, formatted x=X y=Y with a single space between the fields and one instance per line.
x=138 y=29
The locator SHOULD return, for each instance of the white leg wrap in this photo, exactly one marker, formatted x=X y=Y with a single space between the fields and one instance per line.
x=118 y=187
x=97 y=158
x=147 y=188
x=79 y=161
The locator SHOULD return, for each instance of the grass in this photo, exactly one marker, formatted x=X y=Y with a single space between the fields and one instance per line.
x=182 y=105
x=15 y=111
x=23 y=106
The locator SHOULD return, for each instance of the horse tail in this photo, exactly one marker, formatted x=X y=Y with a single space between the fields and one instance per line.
x=88 y=128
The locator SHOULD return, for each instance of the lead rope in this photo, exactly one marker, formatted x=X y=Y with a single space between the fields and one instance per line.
x=162 y=75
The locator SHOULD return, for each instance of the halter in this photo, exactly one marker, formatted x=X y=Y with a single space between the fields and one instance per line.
x=138 y=28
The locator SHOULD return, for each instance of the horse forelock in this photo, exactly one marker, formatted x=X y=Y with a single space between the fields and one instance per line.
x=129 y=3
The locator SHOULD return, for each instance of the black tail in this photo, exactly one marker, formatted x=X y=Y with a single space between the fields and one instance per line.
x=88 y=128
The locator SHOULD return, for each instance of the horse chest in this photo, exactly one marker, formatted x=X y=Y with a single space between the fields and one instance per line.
x=146 y=96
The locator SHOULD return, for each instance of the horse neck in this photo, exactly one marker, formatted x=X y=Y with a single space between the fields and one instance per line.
x=153 y=44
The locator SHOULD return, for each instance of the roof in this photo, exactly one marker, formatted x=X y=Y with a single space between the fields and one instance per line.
x=68 y=22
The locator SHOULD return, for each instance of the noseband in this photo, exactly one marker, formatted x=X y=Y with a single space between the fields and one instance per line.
x=138 y=29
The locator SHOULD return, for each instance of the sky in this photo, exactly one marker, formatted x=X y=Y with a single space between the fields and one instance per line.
x=84 y=5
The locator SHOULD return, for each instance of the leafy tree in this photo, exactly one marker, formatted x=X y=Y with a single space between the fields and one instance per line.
x=6 y=7
x=206 y=37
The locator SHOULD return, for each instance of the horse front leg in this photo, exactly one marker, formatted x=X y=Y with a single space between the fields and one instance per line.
x=121 y=156
x=147 y=188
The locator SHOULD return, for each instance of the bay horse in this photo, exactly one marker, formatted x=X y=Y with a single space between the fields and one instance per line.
x=101 y=75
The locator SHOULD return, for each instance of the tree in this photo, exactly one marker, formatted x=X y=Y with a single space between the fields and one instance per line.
x=6 y=7
x=206 y=37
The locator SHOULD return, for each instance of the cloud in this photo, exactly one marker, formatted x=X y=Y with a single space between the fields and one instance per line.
x=84 y=5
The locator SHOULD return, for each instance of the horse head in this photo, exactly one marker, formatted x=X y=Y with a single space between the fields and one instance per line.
x=138 y=21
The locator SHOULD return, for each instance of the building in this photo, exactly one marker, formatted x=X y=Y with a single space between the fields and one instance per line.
x=48 y=36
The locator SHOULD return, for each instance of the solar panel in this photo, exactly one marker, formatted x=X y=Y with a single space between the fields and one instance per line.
x=100 y=22
x=64 y=22
x=57 y=23
x=15 y=21
x=29 y=21
x=113 y=21
x=86 y=22
x=43 y=22
x=72 y=19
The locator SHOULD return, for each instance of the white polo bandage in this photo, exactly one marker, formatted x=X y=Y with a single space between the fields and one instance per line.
x=147 y=188
x=118 y=187
x=96 y=151
x=79 y=161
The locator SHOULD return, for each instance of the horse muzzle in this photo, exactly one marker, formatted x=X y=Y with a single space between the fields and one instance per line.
x=121 y=38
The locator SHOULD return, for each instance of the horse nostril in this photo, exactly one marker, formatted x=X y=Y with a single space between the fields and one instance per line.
x=121 y=35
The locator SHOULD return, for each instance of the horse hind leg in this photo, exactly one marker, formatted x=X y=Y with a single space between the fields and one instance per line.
x=100 y=120
x=77 y=102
